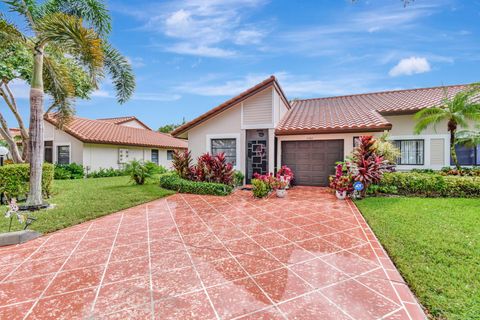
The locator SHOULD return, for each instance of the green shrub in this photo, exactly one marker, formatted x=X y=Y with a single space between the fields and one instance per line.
x=14 y=179
x=238 y=177
x=107 y=173
x=429 y=185
x=69 y=171
x=260 y=188
x=155 y=168
x=140 y=171
x=172 y=181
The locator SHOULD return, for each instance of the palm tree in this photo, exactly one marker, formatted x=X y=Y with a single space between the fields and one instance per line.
x=456 y=111
x=73 y=28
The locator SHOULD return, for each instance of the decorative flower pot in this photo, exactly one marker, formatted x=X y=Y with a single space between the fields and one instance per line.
x=281 y=193
x=341 y=195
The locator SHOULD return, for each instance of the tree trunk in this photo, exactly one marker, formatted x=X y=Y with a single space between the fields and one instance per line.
x=12 y=104
x=12 y=145
x=36 y=145
x=453 y=152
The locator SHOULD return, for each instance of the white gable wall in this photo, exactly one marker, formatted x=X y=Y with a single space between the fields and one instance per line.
x=257 y=111
x=224 y=125
x=61 y=138
x=133 y=124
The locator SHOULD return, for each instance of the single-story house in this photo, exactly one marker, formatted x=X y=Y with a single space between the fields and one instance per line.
x=107 y=143
x=260 y=130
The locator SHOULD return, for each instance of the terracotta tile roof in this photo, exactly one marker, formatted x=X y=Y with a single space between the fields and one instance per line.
x=271 y=81
x=359 y=112
x=104 y=132
x=120 y=120
x=15 y=132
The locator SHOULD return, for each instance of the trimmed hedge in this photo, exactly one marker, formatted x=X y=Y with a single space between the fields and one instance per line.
x=172 y=181
x=428 y=185
x=14 y=179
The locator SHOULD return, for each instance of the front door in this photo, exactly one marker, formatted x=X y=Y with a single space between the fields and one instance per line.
x=257 y=153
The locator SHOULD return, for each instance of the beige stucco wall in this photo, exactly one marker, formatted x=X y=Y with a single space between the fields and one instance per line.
x=280 y=108
x=404 y=125
x=225 y=125
x=59 y=138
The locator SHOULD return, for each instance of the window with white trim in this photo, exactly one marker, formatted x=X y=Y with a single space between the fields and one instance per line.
x=63 y=154
x=169 y=154
x=412 y=152
x=227 y=146
x=154 y=156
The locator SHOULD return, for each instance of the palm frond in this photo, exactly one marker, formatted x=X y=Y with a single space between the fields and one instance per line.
x=57 y=80
x=9 y=33
x=26 y=8
x=427 y=120
x=121 y=73
x=93 y=12
x=68 y=32
x=469 y=138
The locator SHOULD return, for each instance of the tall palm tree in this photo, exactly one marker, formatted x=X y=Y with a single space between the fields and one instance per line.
x=456 y=111
x=73 y=28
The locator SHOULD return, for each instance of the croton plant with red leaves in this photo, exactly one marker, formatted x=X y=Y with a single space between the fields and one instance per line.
x=368 y=166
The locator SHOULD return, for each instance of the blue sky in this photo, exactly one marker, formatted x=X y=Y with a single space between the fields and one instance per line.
x=189 y=56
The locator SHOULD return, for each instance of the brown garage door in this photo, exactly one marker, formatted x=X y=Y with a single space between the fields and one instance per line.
x=312 y=161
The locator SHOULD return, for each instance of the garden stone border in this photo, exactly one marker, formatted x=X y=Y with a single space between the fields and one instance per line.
x=17 y=237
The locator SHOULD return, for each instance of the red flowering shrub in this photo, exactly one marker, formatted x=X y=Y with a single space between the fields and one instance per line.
x=213 y=169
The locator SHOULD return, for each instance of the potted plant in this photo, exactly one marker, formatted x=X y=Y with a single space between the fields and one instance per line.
x=341 y=182
x=281 y=187
x=286 y=174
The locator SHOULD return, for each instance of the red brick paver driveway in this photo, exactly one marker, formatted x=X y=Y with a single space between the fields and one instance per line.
x=308 y=256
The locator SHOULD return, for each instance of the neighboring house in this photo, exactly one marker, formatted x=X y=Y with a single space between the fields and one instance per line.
x=107 y=143
x=260 y=130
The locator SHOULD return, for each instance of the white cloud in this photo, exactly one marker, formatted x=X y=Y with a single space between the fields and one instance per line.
x=136 y=62
x=203 y=51
x=248 y=36
x=204 y=27
x=409 y=66
x=142 y=96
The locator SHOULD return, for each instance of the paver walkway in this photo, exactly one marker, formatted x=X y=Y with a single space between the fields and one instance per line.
x=308 y=256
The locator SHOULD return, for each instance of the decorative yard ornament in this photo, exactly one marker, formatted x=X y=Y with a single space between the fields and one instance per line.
x=358 y=186
x=13 y=210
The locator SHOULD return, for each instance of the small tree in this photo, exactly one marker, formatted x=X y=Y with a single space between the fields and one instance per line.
x=139 y=171
x=456 y=111
x=73 y=28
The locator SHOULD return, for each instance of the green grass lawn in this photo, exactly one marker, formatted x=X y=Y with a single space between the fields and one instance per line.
x=85 y=199
x=435 y=243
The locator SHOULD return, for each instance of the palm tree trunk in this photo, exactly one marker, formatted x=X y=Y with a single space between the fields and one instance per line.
x=453 y=152
x=36 y=146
